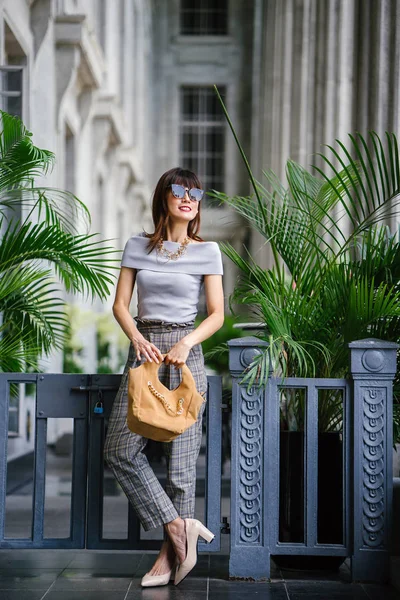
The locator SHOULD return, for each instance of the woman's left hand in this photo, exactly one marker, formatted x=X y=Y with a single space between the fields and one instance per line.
x=178 y=354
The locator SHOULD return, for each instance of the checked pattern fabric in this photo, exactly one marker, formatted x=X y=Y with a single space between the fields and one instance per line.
x=124 y=450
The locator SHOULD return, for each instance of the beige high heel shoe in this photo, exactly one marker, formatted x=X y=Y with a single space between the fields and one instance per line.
x=156 y=580
x=194 y=529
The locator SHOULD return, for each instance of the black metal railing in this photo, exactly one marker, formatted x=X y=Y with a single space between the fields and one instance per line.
x=282 y=482
x=74 y=397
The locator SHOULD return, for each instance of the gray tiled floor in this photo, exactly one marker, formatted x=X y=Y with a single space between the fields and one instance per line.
x=96 y=575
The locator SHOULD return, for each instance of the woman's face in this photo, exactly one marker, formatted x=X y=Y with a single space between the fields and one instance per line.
x=181 y=209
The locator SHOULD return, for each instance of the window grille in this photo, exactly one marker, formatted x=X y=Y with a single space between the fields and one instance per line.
x=204 y=17
x=11 y=90
x=202 y=136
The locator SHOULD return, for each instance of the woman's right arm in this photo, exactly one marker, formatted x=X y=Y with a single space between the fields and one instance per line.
x=123 y=296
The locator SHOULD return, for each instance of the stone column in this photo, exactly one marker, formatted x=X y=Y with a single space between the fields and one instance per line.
x=373 y=367
x=249 y=545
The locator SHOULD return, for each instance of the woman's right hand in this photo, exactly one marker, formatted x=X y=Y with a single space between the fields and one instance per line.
x=145 y=348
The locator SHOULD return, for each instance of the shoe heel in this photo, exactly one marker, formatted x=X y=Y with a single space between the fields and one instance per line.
x=205 y=533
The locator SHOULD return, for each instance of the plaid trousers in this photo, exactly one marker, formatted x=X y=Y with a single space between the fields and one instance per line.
x=123 y=449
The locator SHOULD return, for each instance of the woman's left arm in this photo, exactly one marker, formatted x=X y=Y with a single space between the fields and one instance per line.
x=215 y=309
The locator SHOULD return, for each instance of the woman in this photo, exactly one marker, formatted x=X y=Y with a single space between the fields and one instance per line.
x=169 y=267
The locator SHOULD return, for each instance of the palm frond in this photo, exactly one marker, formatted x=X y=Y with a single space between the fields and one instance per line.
x=31 y=310
x=336 y=274
x=83 y=265
x=20 y=159
x=17 y=355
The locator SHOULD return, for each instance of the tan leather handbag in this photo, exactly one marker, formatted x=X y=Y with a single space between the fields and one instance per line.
x=154 y=411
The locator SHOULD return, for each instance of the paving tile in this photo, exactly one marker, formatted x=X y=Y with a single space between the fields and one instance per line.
x=168 y=592
x=246 y=589
x=104 y=575
x=111 y=560
x=193 y=583
x=36 y=558
x=73 y=583
x=269 y=592
x=242 y=585
x=345 y=595
x=29 y=572
x=104 y=565
x=380 y=592
x=299 y=586
x=112 y=572
x=84 y=595
x=321 y=590
x=21 y=595
x=342 y=574
x=89 y=574
x=40 y=579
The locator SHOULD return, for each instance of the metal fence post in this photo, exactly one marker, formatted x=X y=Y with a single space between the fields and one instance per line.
x=373 y=367
x=249 y=544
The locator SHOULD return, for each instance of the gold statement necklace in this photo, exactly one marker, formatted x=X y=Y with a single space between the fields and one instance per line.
x=162 y=251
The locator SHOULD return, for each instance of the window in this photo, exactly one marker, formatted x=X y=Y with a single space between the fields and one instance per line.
x=11 y=80
x=204 y=17
x=202 y=136
x=13 y=90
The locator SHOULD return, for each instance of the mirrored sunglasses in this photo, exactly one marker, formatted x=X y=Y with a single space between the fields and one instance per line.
x=179 y=192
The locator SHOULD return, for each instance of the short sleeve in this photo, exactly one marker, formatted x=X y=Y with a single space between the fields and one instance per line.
x=213 y=264
x=131 y=256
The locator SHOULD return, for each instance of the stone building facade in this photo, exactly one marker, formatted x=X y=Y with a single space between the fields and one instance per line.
x=321 y=70
x=77 y=68
x=122 y=90
x=81 y=70
x=113 y=87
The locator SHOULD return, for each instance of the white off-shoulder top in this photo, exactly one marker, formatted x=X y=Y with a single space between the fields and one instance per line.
x=169 y=290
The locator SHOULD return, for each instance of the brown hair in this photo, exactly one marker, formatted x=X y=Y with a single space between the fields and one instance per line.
x=160 y=207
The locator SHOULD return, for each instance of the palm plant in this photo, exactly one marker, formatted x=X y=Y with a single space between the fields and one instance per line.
x=336 y=272
x=44 y=237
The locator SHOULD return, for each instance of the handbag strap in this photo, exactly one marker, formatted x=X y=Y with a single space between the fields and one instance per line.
x=152 y=371
x=153 y=367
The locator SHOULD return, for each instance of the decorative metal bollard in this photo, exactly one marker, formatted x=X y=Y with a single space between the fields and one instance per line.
x=373 y=367
x=249 y=552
